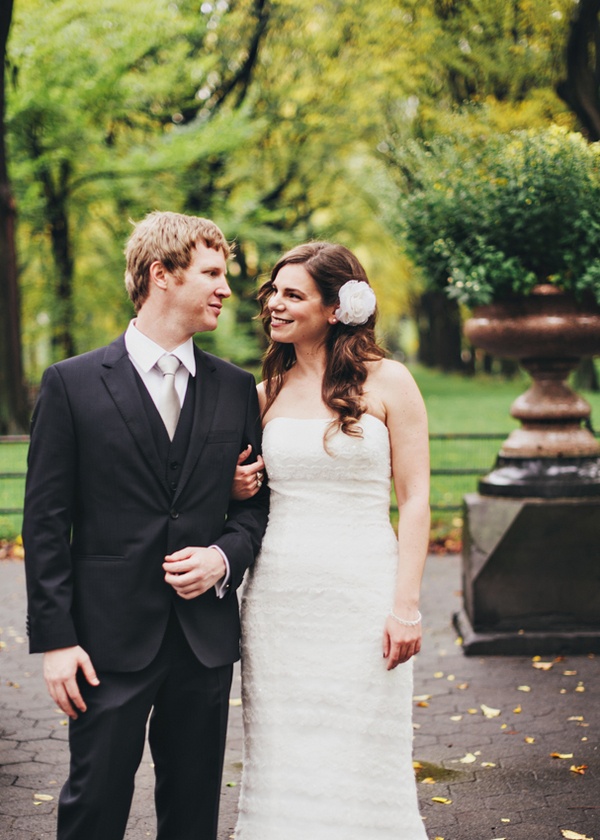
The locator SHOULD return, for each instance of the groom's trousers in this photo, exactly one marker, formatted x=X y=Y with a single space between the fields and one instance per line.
x=188 y=705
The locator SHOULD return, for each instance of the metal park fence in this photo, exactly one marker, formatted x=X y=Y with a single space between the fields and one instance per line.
x=457 y=461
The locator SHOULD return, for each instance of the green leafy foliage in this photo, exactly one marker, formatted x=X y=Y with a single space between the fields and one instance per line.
x=488 y=220
x=274 y=117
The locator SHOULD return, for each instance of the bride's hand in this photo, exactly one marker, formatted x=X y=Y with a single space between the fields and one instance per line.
x=248 y=478
x=400 y=642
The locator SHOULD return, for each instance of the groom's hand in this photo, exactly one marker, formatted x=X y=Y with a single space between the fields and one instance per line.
x=60 y=673
x=192 y=571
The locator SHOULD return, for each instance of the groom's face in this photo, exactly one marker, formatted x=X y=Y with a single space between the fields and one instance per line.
x=198 y=292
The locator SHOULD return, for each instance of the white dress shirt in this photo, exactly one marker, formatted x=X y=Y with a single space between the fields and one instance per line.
x=144 y=354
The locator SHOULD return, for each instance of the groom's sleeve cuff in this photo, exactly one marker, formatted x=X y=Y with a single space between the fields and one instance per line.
x=222 y=586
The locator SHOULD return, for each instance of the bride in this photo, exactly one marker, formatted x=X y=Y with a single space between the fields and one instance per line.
x=330 y=612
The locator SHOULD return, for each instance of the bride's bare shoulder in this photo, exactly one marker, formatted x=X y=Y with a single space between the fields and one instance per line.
x=389 y=373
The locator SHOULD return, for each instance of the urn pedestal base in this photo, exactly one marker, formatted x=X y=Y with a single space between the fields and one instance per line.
x=531 y=576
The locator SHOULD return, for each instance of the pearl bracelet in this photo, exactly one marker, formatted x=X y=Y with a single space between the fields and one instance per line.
x=404 y=622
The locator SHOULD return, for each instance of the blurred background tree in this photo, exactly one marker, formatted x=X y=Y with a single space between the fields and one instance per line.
x=282 y=120
x=13 y=403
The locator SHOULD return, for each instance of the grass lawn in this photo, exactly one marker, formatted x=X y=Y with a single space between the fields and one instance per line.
x=12 y=460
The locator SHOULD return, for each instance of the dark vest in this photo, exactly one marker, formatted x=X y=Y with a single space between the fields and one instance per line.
x=171 y=452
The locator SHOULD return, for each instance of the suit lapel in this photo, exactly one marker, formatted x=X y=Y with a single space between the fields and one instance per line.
x=207 y=394
x=119 y=377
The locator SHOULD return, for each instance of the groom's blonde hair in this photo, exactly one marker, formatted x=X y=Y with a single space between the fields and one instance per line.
x=169 y=238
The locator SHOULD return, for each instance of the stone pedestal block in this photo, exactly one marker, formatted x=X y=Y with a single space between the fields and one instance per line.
x=531 y=576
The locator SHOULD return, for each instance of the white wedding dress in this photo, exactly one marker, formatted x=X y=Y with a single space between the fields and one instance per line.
x=328 y=730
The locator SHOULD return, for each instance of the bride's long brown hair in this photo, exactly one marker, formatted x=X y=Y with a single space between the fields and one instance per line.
x=348 y=348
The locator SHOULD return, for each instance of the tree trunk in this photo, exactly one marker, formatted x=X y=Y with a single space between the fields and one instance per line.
x=586 y=376
x=581 y=89
x=440 y=339
x=14 y=412
x=57 y=215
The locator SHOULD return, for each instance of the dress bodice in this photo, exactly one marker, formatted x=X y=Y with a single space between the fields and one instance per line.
x=348 y=475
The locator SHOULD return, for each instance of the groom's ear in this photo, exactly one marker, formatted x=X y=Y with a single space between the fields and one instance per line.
x=158 y=275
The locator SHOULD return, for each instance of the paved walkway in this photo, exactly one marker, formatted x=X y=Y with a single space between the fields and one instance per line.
x=486 y=731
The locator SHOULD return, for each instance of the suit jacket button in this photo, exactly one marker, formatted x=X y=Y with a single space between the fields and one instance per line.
x=174 y=514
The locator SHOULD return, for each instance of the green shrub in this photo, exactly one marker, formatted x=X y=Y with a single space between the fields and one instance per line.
x=489 y=219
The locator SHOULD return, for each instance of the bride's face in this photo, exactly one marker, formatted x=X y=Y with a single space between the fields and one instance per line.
x=298 y=314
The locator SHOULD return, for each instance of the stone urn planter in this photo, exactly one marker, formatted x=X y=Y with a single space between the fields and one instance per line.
x=531 y=534
x=554 y=453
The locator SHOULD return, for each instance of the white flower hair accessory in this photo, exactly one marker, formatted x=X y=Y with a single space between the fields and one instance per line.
x=357 y=303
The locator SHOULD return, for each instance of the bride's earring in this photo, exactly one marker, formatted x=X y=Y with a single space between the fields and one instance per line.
x=333 y=320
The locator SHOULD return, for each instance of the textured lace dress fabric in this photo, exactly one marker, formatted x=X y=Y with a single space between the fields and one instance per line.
x=328 y=730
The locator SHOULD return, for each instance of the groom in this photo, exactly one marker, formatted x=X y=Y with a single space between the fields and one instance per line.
x=134 y=550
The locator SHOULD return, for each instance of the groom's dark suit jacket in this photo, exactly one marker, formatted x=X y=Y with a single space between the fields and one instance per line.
x=101 y=512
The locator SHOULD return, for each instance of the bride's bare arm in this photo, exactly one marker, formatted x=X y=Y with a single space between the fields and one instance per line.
x=406 y=420
x=248 y=477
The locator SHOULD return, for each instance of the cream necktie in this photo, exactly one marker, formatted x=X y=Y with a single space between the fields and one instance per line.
x=169 y=405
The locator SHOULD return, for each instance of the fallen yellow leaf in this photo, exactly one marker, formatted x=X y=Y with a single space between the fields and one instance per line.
x=576 y=717
x=581 y=768
x=428 y=781
x=523 y=688
x=543 y=666
x=469 y=758
x=423 y=704
x=235 y=701
x=517 y=710
x=438 y=675
x=472 y=711
x=530 y=740
x=456 y=717
x=442 y=800
x=463 y=686
x=419 y=697
x=487 y=764
x=569 y=673
x=489 y=712
x=43 y=797
x=561 y=755
x=574 y=835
